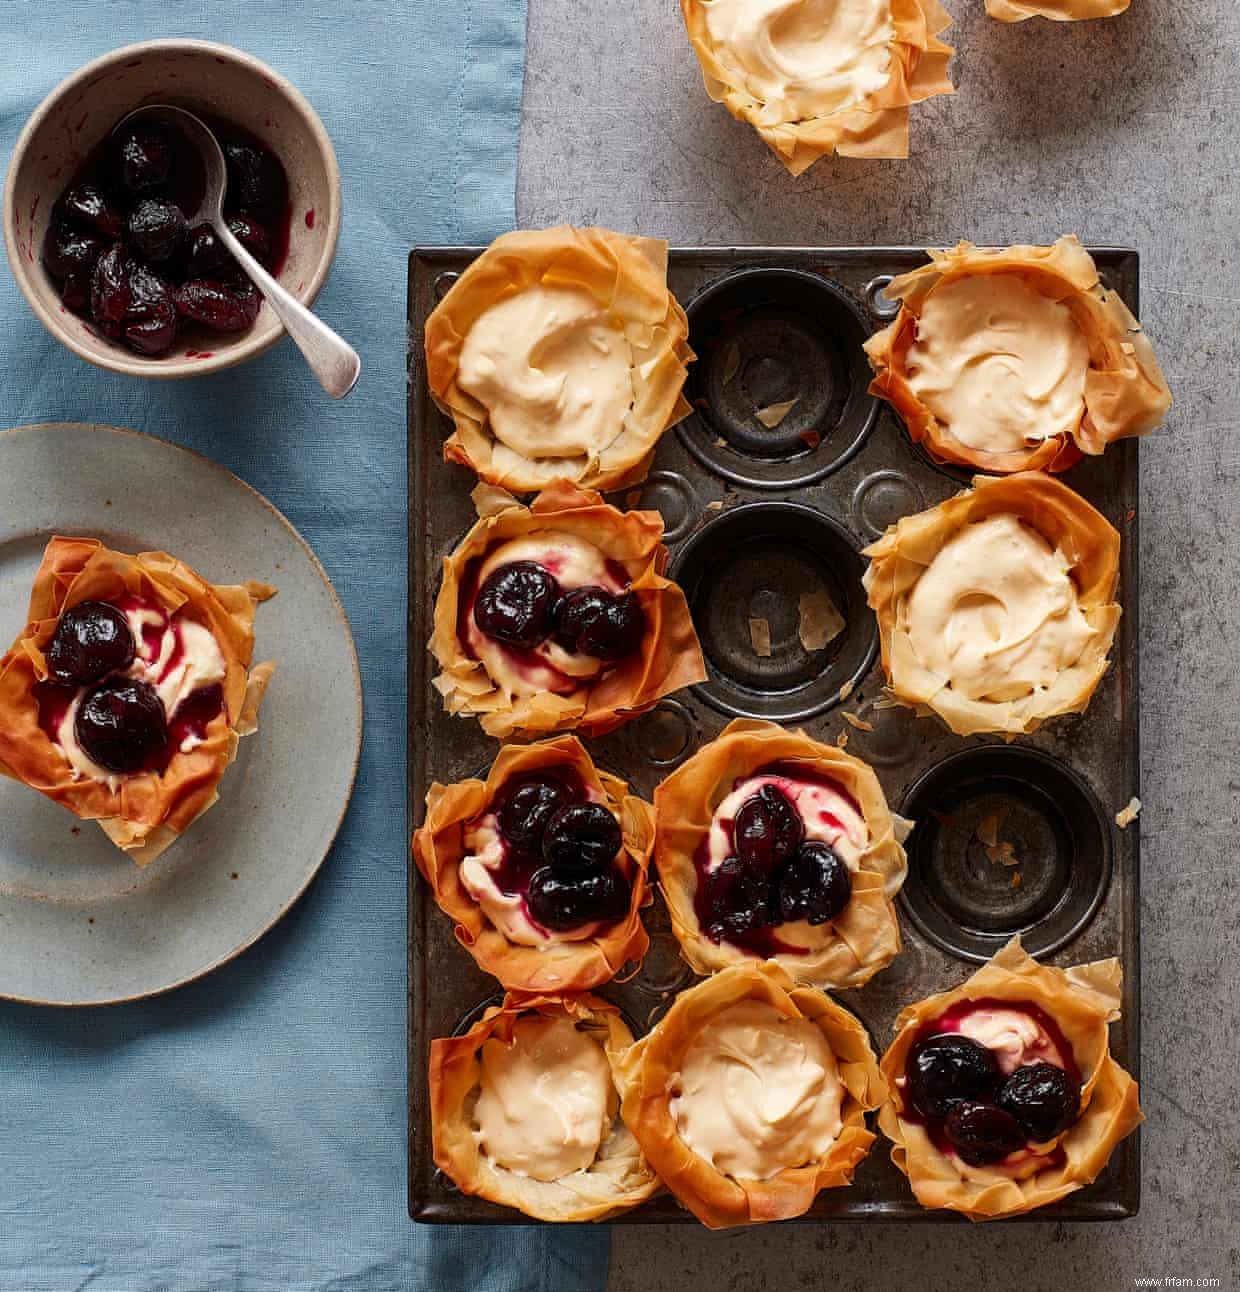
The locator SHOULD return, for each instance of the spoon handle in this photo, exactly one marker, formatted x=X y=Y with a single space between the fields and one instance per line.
x=332 y=359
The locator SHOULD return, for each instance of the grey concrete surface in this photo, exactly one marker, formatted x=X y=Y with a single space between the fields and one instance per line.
x=1124 y=131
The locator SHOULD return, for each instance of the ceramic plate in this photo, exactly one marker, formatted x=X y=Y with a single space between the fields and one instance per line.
x=80 y=924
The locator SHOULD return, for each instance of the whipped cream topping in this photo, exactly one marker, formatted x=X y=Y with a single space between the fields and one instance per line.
x=1001 y=366
x=802 y=59
x=173 y=655
x=545 y=1101
x=485 y=852
x=758 y=1092
x=575 y=563
x=996 y=612
x=1013 y=1036
x=554 y=371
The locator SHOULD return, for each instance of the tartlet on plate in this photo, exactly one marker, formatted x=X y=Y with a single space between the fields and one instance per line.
x=559 y=354
x=1058 y=10
x=125 y=695
x=771 y=844
x=1003 y=1094
x=749 y=1096
x=996 y=609
x=557 y=616
x=1015 y=359
x=815 y=79
x=524 y=1110
x=542 y=866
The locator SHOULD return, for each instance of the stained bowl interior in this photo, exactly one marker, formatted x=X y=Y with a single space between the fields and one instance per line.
x=207 y=78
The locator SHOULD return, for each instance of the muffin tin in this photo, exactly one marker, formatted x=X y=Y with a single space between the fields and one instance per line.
x=757 y=517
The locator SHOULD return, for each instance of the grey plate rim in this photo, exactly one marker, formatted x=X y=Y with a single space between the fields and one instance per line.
x=293 y=898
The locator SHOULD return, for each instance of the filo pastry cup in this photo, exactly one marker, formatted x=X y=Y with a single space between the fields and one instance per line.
x=854 y=946
x=651 y=1071
x=1083 y=1001
x=1058 y=10
x=626 y=277
x=618 y=1179
x=1125 y=392
x=146 y=812
x=1089 y=545
x=669 y=656
x=873 y=125
x=439 y=847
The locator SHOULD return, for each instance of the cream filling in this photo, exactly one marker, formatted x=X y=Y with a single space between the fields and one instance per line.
x=826 y=814
x=758 y=1092
x=996 y=613
x=508 y=911
x=553 y=369
x=575 y=563
x=1013 y=1037
x=1001 y=366
x=201 y=664
x=545 y=1101
x=802 y=59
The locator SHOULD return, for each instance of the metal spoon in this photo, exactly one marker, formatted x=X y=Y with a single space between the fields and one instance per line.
x=331 y=358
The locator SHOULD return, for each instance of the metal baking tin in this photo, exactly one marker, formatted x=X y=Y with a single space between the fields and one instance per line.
x=792 y=516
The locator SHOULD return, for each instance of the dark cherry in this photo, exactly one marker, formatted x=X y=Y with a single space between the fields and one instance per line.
x=69 y=251
x=253 y=237
x=219 y=306
x=581 y=836
x=946 y=1069
x=526 y=804
x=151 y=321
x=514 y=603
x=591 y=621
x=256 y=181
x=75 y=293
x=92 y=640
x=207 y=255
x=768 y=829
x=90 y=207
x=738 y=900
x=121 y=724
x=982 y=1133
x=815 y=885
x=1043 y=1098
x=145 y=152
x=562 y=902
x=110 y=293
x=157 y=229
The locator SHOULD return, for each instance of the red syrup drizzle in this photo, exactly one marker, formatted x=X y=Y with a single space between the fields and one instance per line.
x=949 y=1022
x=528 y=662
x=310 y=218
x=192 y=716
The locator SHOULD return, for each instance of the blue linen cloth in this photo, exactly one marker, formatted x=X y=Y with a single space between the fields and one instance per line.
x=248 y=1132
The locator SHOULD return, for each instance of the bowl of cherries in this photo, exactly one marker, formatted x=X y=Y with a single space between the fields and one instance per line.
x=101 y=216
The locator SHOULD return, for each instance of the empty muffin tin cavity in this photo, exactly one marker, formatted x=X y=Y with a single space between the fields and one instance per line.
x=1007 y=840
x=756 y=580
x=779 y=386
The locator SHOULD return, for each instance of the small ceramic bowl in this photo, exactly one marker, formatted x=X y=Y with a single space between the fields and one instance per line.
x=207 y=78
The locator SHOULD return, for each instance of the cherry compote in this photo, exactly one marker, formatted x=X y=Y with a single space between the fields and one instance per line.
x=124 y=256
x=92 y=640
x=121 y=725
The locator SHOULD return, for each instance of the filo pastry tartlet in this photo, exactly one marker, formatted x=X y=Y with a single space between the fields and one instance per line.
x=771 y=844
x=524 y=1110
x=815 y=77
x=557 y=616
x=125 y=695
x=542 y=867
x=559 y=354
x=1058 y=10
x=996 y=609
x=1015 y=359
x=1004 y=1096
x=749 y=1096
